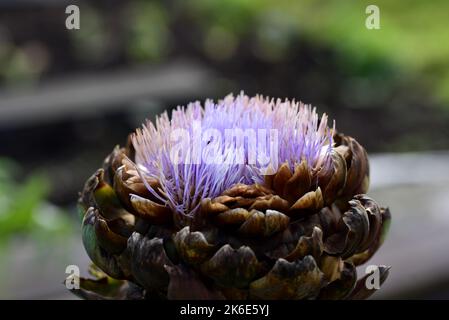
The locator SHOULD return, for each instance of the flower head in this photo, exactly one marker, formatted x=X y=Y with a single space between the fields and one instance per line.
x=246 y=198
x=202 y=151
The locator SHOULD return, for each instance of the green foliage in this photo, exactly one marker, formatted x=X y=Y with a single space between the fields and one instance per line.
x=149 y=34
x=91 y=42
x=411 y=43
x=23 y=210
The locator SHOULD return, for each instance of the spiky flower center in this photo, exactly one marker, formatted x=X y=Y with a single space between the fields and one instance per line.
x=202 y=151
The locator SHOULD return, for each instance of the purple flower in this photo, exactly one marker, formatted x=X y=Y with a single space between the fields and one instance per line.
x=203 y=150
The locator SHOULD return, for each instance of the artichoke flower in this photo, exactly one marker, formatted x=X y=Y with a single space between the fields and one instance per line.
x=199 y=218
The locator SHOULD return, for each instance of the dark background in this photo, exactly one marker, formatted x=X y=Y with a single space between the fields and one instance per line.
x=67 y=97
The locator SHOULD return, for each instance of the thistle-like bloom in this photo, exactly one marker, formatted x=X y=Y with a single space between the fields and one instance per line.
x=244 y=198
x=236 y=124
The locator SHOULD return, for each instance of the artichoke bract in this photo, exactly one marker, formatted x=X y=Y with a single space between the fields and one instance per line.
x=245 y=198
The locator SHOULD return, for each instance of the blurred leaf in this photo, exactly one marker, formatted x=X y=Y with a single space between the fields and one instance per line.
x=411 y=41
x=23 y=209
x=149 y=33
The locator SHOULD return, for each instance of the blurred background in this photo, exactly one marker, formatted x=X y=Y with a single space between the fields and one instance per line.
x=67 y=97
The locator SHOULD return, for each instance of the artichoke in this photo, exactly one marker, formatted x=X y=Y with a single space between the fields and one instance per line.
x=158 y=222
